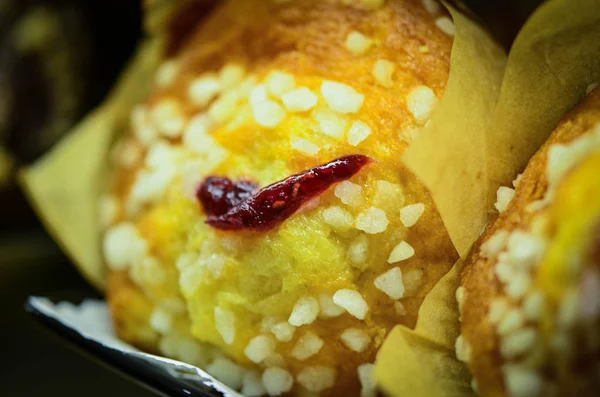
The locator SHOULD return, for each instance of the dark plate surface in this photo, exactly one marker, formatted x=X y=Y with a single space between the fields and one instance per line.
x=162 y=376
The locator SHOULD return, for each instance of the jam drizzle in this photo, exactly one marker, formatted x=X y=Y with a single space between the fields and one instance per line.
x=235 y=205
x=218 y=194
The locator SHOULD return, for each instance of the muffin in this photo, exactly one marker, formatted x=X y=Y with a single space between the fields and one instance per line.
x=259 y=222
x=530 y=288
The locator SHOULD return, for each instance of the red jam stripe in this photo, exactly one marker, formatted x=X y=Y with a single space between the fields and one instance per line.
x=235 y=205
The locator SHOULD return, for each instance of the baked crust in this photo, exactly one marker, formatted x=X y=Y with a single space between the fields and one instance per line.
x=306 y=39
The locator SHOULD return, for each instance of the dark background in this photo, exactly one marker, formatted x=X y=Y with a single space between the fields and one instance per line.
x=95 y=38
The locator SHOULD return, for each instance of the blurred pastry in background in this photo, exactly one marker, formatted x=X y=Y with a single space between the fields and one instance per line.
x=530 y=295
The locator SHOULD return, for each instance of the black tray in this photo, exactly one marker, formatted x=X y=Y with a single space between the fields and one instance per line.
x=163 y=376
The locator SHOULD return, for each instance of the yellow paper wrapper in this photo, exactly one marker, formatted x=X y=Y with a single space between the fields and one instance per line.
x=64 y=185
x=450 y=159
x=421 y=362
x=553 y=60
x=448 y=155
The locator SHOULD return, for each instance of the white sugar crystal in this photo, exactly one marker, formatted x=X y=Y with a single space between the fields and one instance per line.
x=189 y=351
x=161 y=321
x=305 y=311
x=511 y=321
x=304 y=146
x=143 y=131
x=446 y=25
x=355 y=339
x=190 y=278
x=383 y=71
x=504 y=271
x=503 y=197
x=591 y=88
x=562 y=158
x=421 y=102
x=338 y=218
x=357 y=43
x=410 y=214
x=283 y=331
x=225 y=323
x=277 y=381
x=463 y=349
x=168 y=118
x=227 y=372
x=352 y=301
x=146 y=134
x=268 y=113
x=522 y=381
x=533 y=305
x=518 y=285
x=108 y=210
x=127 y=154
x=330 y=123
x=231 y=75
x=328 y=308
x=358 y=132
x=138 y=116
x=123 y=246
x=433 y=7
x=341 y=97
x=279 y=83
x=259 y=348
x=299 y=100
x=390 y=283
x=494 y=245
x=166 y=73
x=518 y=342
x=214 y=263
x=358 y=251
x=317 y=378
x=224 y=107
x=349 y=193
x=204 y=89
x=161 y=155
x=372 y=221
x=258 y=94
x=307 y=346
x=185 y=260
x=401 y=252
x=148 y=187
x=524 y=250
x=366 y=377
x=148 y=271
x=196 y=131
x=498 y=309
x=252 y=385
